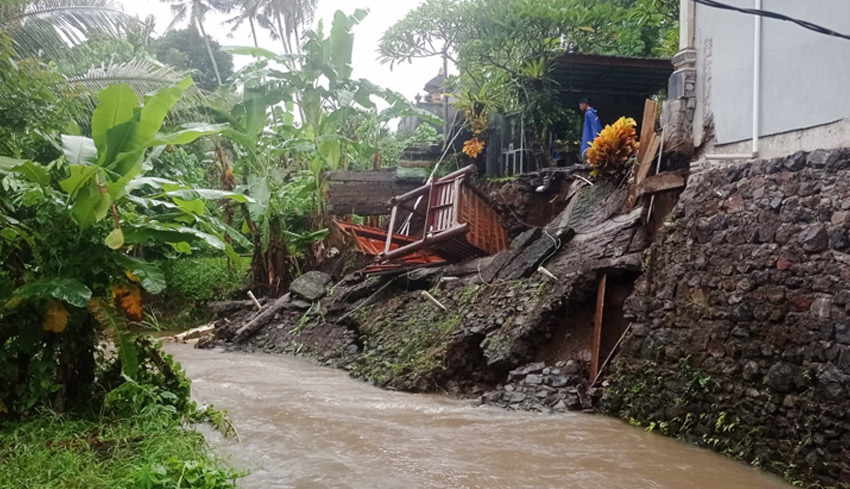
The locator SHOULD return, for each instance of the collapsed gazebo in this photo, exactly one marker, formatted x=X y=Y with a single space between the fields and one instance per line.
x=459 y=224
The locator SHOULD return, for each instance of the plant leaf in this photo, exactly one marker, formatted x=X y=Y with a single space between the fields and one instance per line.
x=208 y=194
x=65 y=289
x=34 y=172
x=108 y=318
x=115 y=239
x=116 y=106
x=80 y=175
x=79 y=150
x=150 y=276
x=250 y=51
x=188 y=134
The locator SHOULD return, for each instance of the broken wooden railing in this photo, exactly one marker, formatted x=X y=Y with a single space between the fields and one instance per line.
x=459 y=223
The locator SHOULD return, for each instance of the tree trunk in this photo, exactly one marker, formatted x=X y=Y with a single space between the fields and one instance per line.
x=446 y=128
x=282 y=34
x=260 y=320
x=209 y=50
x=253 y=31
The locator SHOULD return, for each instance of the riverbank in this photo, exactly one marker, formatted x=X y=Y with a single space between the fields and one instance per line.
x=150 y=450
x=727 y=321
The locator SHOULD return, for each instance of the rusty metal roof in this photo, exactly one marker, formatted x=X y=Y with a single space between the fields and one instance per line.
x=593 y=74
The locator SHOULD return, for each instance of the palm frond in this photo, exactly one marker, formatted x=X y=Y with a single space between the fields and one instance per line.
x=51 y=26
x=143 y=75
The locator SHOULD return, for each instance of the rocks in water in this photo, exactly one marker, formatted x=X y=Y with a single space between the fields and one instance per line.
x=527 y=369
x=311 y=286
x=533 y=379
x=538 y=387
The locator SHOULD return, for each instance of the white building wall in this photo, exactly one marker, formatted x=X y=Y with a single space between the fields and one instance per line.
x=805 y=77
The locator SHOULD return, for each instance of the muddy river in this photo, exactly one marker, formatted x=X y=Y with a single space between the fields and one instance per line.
x=309 y=427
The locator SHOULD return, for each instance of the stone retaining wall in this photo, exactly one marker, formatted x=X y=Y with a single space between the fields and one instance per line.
x=740 y=336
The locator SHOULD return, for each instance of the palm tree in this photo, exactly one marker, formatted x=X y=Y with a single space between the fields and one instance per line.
x=283 y=18
x=249 y=12
x=49 y=27
x=196 y=11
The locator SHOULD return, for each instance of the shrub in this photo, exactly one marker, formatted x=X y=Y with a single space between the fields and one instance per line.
x=204 y=279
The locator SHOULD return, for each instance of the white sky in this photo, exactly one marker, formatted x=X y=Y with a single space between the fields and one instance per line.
x=407 y=79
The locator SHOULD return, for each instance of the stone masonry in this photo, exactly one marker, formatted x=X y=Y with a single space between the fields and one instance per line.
x=741 y=323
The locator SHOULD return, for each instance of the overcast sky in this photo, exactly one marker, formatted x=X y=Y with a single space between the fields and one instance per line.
x=407 y=79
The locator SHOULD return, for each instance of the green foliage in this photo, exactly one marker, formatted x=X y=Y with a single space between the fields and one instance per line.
x=138 y=439
x=291 y=126
x=429 y=30
x=184 y=49
x=56 y=245
x=204 y=279
x=51 y=26
x=178 y=473
x=184 y=164
x=505 y=49
x=31 y=107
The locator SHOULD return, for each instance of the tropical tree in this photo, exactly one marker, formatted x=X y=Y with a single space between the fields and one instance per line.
x=74 y=240
x=293 y=124
x=249 y=11
x=284 y=18
x=184 y=50
x=505 y=49
x=196 y=11
x=49 y=27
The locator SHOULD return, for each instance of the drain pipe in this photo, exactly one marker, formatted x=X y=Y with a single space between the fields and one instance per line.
x=757 y=38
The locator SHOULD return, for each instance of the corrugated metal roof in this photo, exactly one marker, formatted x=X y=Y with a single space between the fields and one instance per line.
x=593 y=74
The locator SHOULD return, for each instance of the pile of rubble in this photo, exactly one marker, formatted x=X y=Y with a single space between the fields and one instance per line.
x=537 y=387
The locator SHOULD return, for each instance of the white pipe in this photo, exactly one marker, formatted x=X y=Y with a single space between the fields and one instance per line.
x=757 y=80
x=743 y=156
x=756 y=93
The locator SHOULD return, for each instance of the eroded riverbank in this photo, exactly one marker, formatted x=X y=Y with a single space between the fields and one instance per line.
x=306 y=426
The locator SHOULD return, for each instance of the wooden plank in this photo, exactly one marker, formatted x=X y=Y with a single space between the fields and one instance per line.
x=645 y=164
x=391 y=228
x=660 y=183
x=647 y=126
x=597 y=327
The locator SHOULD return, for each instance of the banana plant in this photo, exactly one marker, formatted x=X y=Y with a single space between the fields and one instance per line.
x=76 y=230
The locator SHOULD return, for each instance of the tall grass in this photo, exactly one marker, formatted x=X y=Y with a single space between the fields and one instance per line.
x=152 y=451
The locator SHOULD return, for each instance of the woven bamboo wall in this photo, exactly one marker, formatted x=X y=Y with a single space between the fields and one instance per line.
x=485 y=228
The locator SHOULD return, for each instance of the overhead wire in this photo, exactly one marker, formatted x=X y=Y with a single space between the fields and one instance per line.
x=777 y=16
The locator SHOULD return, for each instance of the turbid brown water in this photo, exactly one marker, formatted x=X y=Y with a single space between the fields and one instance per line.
x=309 y=427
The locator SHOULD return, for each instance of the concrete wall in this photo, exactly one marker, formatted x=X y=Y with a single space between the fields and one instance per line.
x=805 y=75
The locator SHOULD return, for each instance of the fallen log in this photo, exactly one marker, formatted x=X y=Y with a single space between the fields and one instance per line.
x=230 y=306
x=261 y=319
x=192 y=334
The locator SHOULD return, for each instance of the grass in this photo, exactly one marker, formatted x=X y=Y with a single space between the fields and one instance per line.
x=149 y=451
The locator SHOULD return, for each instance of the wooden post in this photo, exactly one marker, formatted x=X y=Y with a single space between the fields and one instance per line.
x=597 y=327
x=391 y=230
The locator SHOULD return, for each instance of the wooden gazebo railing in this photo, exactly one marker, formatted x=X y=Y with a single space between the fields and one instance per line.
x=459 y=223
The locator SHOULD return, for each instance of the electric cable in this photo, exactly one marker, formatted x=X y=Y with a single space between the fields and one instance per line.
x=777 y=16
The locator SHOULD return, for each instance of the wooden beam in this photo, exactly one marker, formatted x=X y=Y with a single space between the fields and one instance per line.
x=597 y=327
x=645 y=163
x=647 y=127
x=391 y=230
x=660 y=183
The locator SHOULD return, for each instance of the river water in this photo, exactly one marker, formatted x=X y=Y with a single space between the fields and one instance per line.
x=310 y=427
